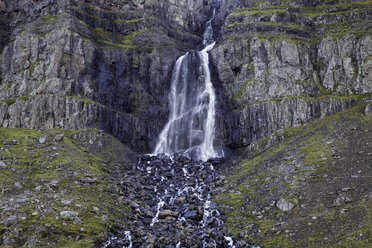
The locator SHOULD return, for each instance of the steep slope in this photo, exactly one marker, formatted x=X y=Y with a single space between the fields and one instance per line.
x=61 y=188
x=307 y=186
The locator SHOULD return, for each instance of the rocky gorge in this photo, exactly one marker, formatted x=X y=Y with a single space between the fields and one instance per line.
x=84 y=88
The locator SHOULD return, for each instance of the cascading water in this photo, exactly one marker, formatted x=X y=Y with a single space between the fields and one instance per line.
x=177 y=210
x=191 y=124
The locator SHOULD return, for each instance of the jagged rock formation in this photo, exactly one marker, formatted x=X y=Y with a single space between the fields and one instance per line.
x=105 y=64
x=108 y=64
x=282 y=64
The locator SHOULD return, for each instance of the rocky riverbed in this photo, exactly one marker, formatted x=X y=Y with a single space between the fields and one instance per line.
x=173 y=207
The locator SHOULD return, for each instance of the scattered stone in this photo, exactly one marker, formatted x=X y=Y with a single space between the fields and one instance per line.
x=88 y=179
x=165 y=213
x=368 y=110
x=134 y=204
x=104 y=219
x=42 y=140
x=77 y=220
x=2 y=165
x=340 y=200
x=180 y=200
x=346 y=189
x=54 y=183
x=11 y=221
x=68 y=214
x=66 y=202
x=18 y=185
x=58 y=138
x=284 y=205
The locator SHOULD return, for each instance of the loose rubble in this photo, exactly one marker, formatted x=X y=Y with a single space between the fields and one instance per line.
x=174 y=208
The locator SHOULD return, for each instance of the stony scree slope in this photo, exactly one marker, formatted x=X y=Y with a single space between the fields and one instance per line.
x=305 y=186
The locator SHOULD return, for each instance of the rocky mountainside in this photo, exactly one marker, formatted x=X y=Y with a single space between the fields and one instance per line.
x=306 y=186
x=102 y=64
x=106 y=66
x=284 y=63
x=62 y=188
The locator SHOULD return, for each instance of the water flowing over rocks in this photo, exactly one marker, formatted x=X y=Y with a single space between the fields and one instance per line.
x=174 y=208
x=192 y=99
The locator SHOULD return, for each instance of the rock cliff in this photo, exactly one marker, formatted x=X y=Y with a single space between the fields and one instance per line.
x=75 y=64
x=104 y=64
x=284 y=63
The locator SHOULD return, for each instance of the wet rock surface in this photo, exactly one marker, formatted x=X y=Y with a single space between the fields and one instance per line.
x=173 y=206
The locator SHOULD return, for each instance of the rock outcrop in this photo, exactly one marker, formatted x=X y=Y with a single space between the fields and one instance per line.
x=284 y=64
x=114 y=59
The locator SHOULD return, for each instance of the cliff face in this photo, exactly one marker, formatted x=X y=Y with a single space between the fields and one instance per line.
x=104 y=64
x=107 y=64
x=284 y=64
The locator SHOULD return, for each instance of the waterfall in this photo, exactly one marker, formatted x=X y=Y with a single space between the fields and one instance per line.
x=192 y=100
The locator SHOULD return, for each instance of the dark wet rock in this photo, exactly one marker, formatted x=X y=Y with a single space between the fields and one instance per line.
x=179 y=205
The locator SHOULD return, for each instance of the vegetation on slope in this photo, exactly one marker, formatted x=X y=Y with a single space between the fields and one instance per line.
x=306 y=186
x=58 y=187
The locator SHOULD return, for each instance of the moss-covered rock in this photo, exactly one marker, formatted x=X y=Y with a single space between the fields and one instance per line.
x=320 y=170
x=49 y=173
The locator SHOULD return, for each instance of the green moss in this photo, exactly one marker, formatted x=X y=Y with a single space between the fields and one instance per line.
x=270 y=24
x=256 y=181
x=118 y=40
x=82 y=22
x=316 y=152
x=9 y=85
x=356 y=97
x=308 y=11
x=36 y=164
x=245 y=12
x=242 y=89
x=13 y=100
x=368 y=59
x=135 y=20
x=50 y=20
x=278 y=241
x=33 y=66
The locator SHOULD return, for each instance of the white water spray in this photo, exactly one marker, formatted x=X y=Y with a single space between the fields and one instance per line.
x=191 y=124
